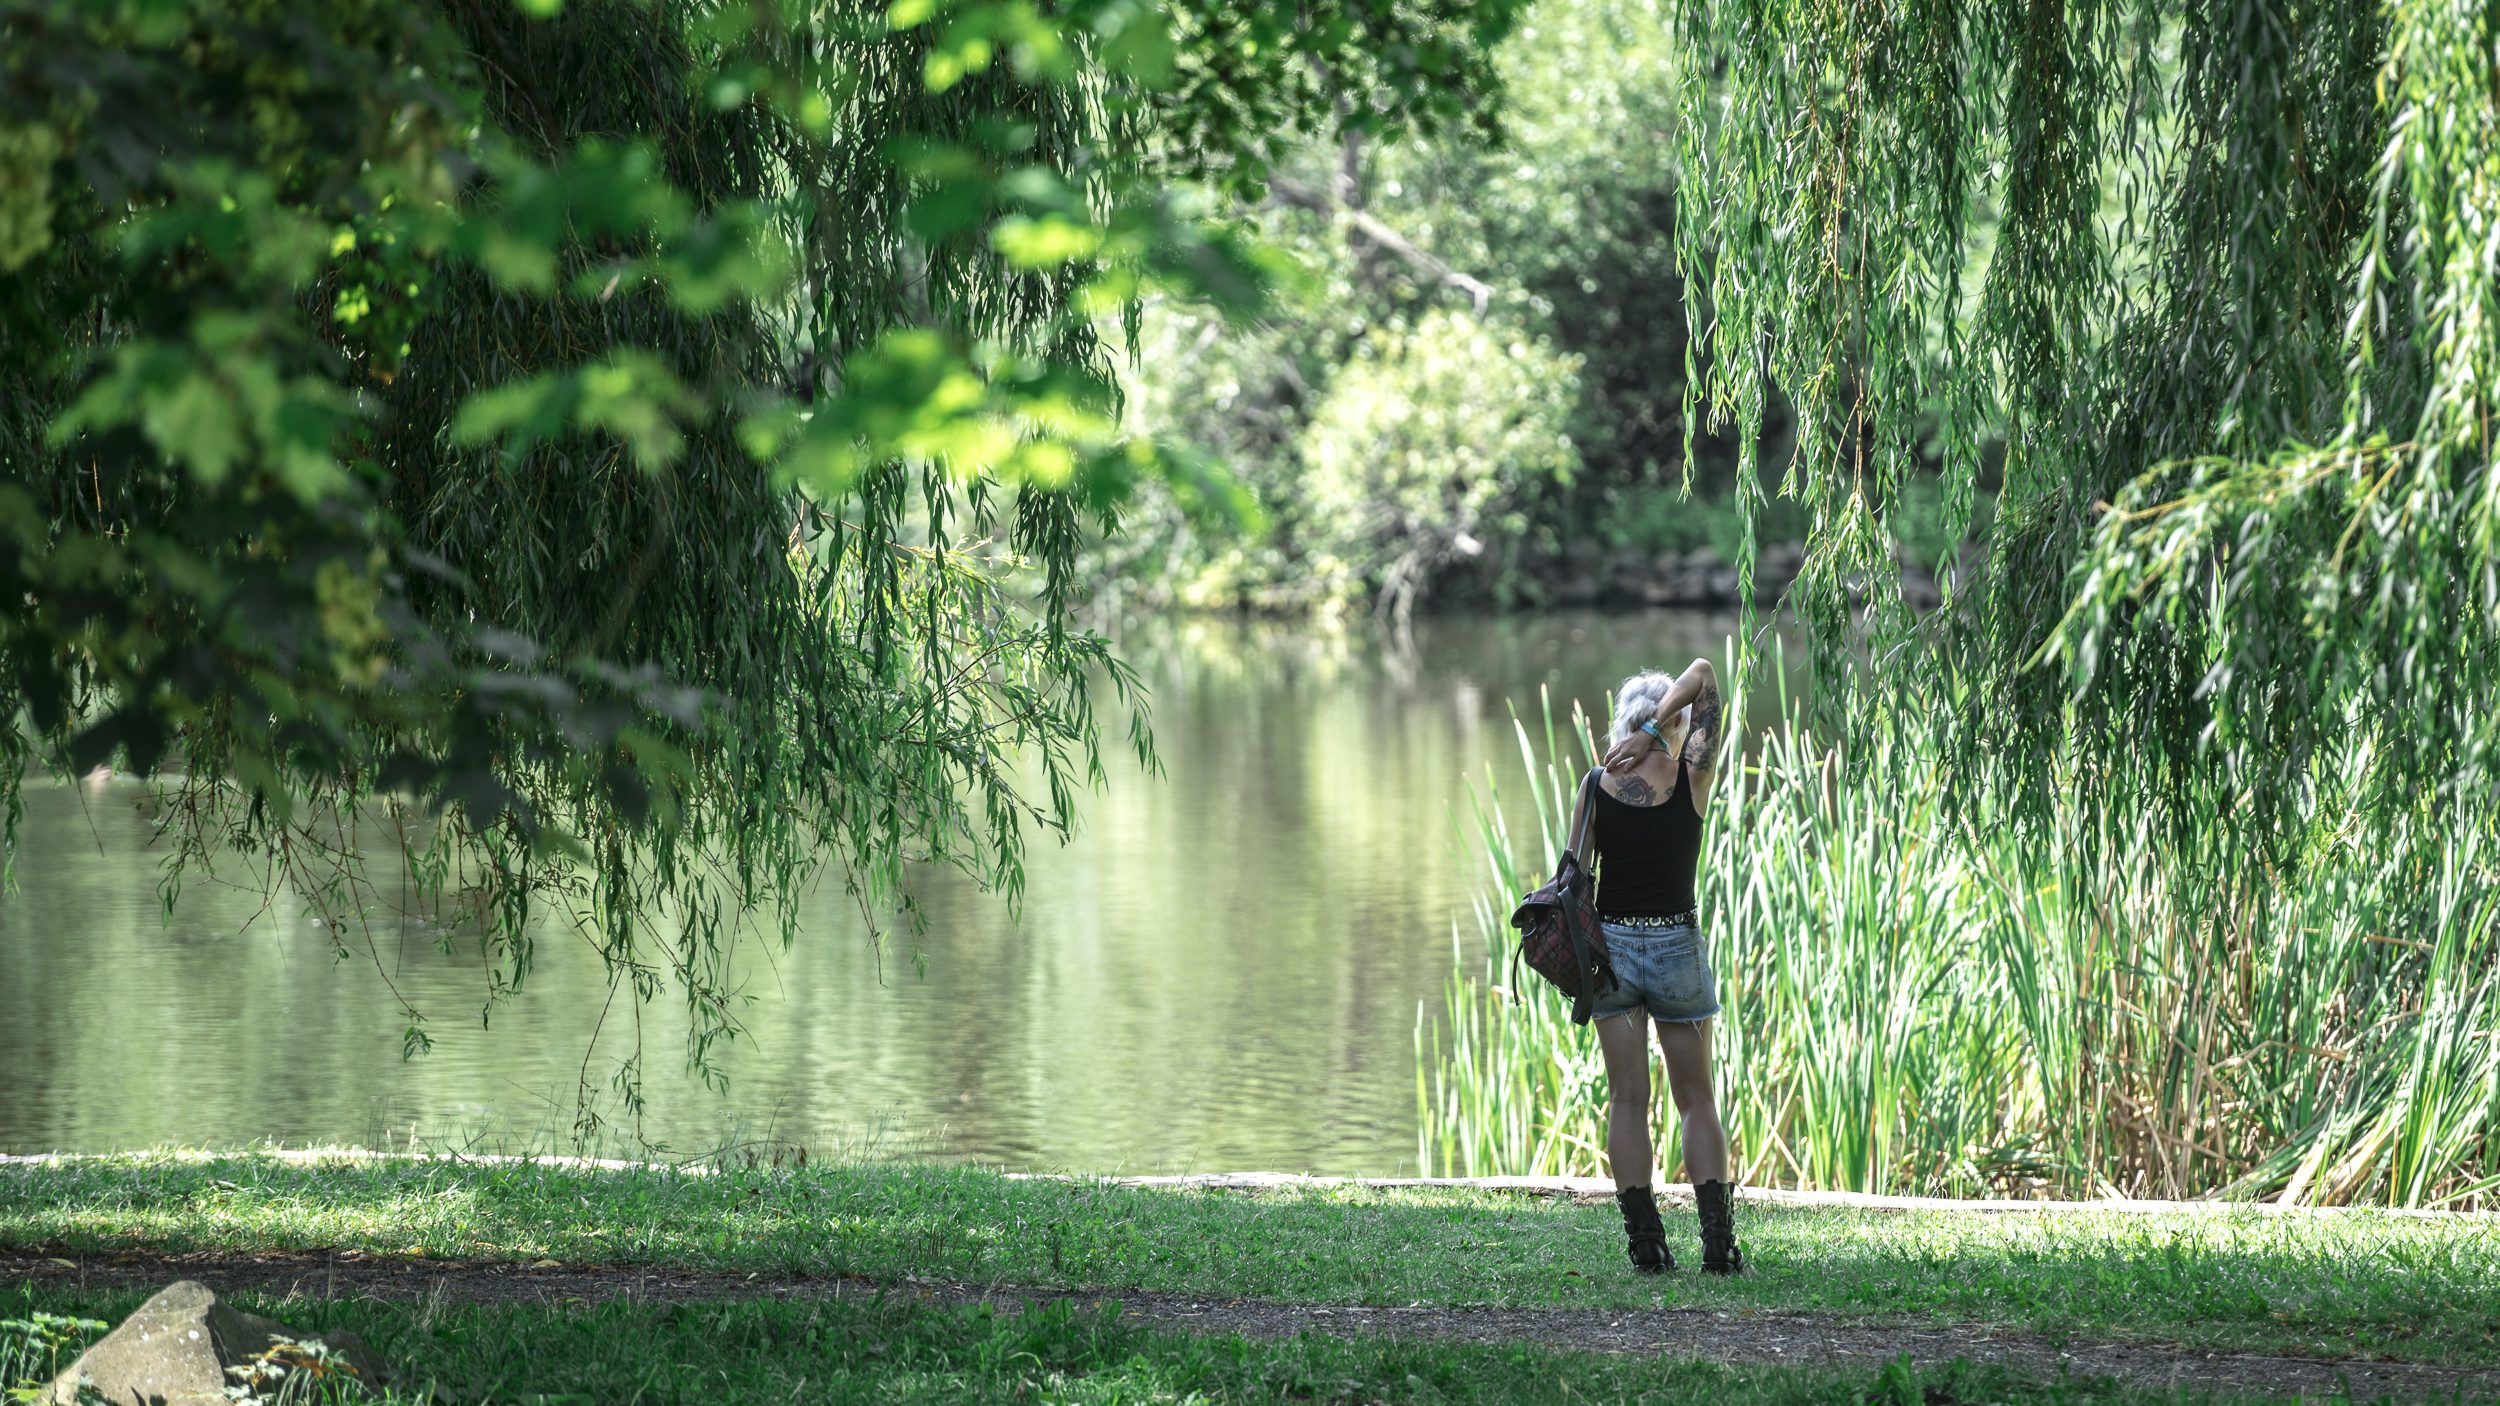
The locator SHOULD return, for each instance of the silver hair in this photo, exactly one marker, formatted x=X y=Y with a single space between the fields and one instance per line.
x=1637 y=699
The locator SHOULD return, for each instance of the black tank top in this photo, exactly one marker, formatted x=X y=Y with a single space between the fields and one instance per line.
x=1648 y=854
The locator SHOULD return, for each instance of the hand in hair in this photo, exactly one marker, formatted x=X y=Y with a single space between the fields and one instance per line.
x=1696 y=688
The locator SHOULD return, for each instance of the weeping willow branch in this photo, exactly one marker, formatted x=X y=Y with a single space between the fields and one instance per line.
x=2228 y=265
x=2222 y=278
x=550 y=432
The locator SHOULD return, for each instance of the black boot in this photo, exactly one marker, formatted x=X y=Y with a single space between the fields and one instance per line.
x=1717 y=1200
x=1648 y=1235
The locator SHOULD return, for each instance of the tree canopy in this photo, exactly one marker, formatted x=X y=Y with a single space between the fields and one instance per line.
x=2223 y=279
x=2206 y=722
x=1553 y=246
x=631 y=453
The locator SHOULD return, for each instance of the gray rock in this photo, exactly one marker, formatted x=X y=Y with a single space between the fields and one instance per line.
x=1626 y=578
x=1662 y=589
x=1578 y=589
x=174 y=1351
x=1779 y=565
x=1689 y=586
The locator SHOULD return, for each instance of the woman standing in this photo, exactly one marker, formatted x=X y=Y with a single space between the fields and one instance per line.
x=1649 y=801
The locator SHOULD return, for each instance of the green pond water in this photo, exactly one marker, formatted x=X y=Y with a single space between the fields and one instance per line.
x=1222 y=971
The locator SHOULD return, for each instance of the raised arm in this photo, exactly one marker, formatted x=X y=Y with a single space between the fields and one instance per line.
x=1701 y=743
x=1698 y=687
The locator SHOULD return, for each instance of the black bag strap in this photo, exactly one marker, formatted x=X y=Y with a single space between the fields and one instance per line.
x=1585 y=811
x=1587 y=806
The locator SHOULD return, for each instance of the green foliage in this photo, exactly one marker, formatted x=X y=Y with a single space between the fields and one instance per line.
x=2219 y=277
x=1505 y=1084
x=36 y=1348
x=2219 y=274
x=1664 y=521
x=1424 y=451
x=617 y=457
x=1572 y=218
x=1926 y=992
x=1560 y=235
x=1251 y=78
x=291 y=1373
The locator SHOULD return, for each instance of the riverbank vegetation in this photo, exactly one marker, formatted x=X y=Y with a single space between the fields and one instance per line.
x=2160 y=859
x=1473 y=393
x=630 y=494
x=1927 y=990
x=2354 y=1283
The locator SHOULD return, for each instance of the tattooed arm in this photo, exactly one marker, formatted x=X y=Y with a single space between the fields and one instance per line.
x=1701 y=742
x=1698 y=688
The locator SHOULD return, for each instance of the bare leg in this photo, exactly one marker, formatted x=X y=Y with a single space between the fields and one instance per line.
x=1627 y=1098
x=1686 y=1044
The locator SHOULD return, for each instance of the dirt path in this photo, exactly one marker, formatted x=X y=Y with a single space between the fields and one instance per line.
x=1818 y=1339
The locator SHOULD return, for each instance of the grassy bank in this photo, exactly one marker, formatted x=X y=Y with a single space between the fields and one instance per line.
x=735 y=1353
x=2354 y=1284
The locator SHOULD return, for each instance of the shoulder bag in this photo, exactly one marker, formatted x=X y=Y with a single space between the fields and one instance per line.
x=1558 y=931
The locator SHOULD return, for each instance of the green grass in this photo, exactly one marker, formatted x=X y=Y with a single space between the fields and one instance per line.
x=2358 y=1283
x=652 y=1354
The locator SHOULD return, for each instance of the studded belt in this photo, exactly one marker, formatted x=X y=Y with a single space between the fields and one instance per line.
x=1689 y=919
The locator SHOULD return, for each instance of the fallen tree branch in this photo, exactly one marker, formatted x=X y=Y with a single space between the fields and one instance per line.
x=1283 y=190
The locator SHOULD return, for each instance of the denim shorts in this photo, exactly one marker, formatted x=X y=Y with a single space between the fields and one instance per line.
x=1665 y=971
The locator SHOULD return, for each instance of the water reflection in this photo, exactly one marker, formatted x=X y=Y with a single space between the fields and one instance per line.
x=1221 y=971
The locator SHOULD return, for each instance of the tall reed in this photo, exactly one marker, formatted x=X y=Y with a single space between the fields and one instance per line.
x=1930 y=989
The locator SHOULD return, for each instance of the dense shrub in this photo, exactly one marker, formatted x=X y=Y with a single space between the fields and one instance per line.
x=1420 y=455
